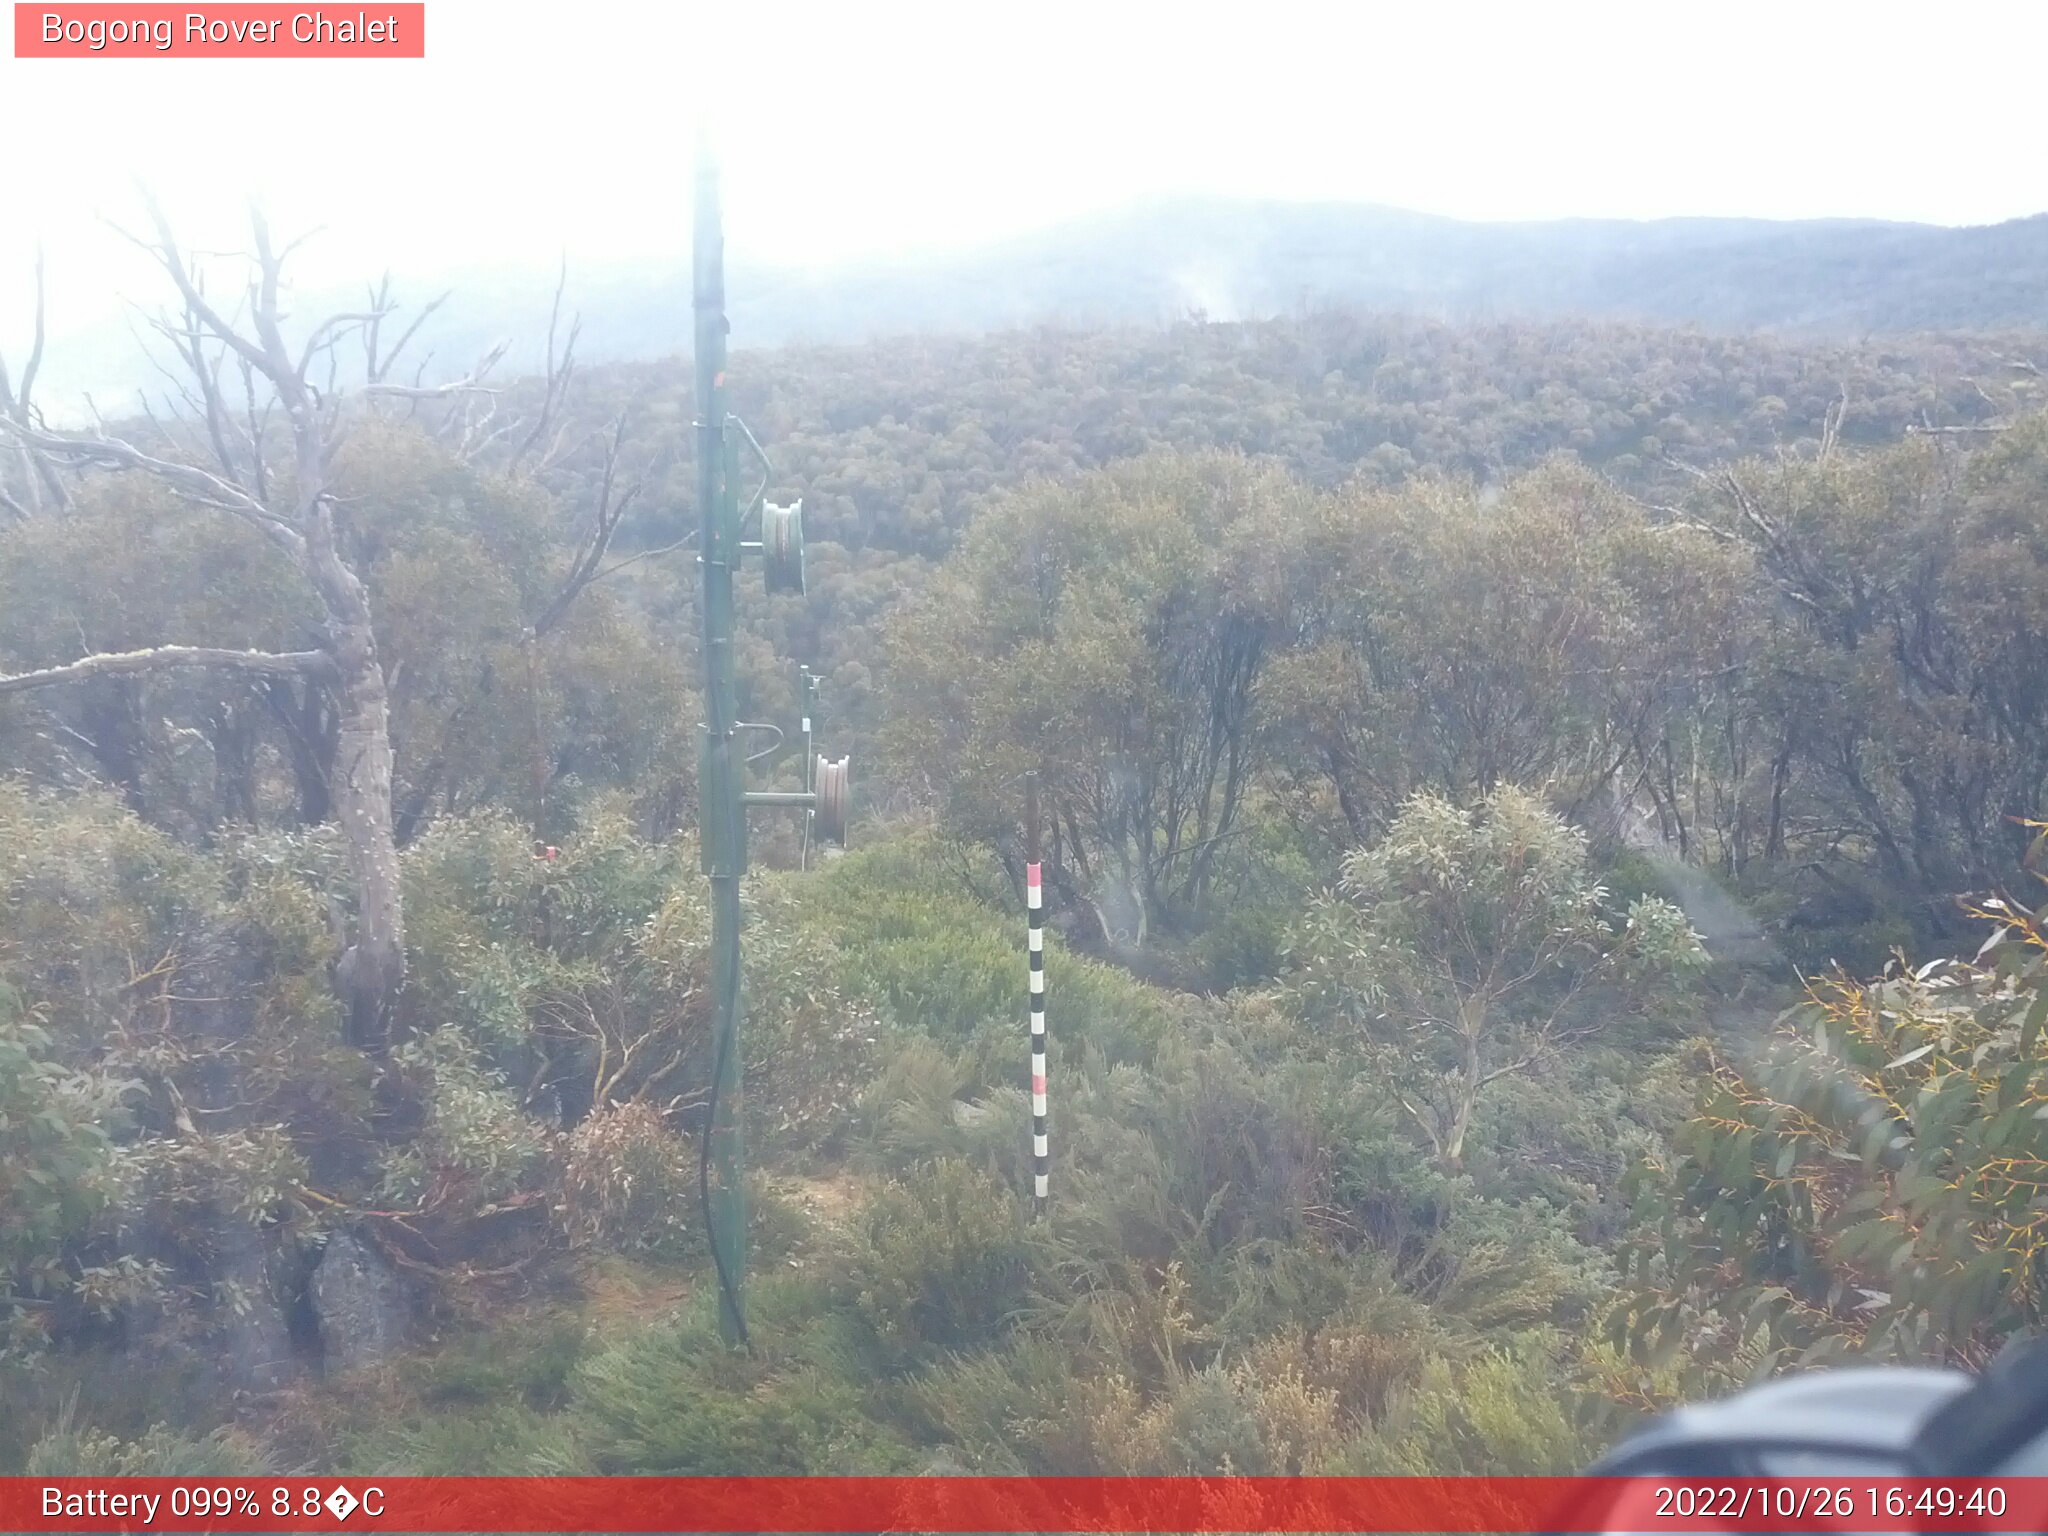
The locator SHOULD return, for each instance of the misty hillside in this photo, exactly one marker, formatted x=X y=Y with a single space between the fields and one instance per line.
x=1166 y=260
x=1169 y=260
x=1243 y=259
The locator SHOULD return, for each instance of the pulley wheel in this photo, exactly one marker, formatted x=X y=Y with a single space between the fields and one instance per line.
x=835 y=790
x=782 y=548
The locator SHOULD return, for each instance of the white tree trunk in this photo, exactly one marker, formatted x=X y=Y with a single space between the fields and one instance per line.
x=372 y=968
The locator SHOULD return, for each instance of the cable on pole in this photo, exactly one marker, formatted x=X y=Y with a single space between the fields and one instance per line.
x=728 y=1283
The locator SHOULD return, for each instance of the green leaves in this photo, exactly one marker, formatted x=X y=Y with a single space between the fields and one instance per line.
x=1110 y=634
x=937 y=1261
x=56 y=1161
x=1905 y=1197
x=1466 y=944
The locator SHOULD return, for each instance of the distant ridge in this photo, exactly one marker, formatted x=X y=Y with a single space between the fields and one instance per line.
x=1229 y=259
x=1167 y=259
x=1245 y=259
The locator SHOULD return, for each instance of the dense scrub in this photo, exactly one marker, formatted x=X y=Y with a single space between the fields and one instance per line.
x=1436 y=825
x=898 y=446
x=1246 y=1255
x=1816 y=679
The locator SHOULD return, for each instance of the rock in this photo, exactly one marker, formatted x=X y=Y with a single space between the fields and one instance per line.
x=358 y=1304
x=253 y=1351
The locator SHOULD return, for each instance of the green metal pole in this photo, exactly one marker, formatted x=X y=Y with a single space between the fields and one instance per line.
x=721 y=767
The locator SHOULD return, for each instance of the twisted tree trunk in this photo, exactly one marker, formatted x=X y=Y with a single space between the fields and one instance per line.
x=295 y=512
x=372 y=968
x=215 y=458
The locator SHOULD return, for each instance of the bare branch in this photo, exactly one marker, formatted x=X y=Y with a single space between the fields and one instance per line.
x=1831 y=423
x=188 y=480
x=167 y=255
x=646 y=554
x=206 y=372
x=259 y=474
x=377 y=363
x=19 y=406
x=612 y=505
x=330 y=331
x=292 y=245
x=555 y=385
x=24 y=400
x=468 y=386
x=166 y=657
x=473 y=384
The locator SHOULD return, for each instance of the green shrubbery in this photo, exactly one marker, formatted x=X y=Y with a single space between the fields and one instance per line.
x=1867 y=1182
x=676 y=1400
x=938 y=1260
x=475 y=1147
x=1245 y=1262
x=1245 y=1265
x=629 y=1182
x=57 y=1178
x=71 y=1450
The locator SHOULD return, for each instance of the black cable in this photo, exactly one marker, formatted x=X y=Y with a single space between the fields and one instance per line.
x=725 y=1284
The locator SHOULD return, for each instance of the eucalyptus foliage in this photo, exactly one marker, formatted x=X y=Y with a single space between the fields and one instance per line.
x=1869 y=1181
x=1467 y=946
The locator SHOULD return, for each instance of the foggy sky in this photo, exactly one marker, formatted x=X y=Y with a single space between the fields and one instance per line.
x=852 y=130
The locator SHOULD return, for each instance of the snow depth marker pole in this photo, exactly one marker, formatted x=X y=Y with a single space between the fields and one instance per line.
x=1034 y=903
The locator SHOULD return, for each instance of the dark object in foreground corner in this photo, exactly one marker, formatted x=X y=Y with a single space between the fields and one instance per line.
x=1855 y=1421
x=1871 y=1421
x=1999 y=1426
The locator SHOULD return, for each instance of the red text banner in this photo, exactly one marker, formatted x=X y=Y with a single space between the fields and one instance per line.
x=985 y=1504
x=239 y=31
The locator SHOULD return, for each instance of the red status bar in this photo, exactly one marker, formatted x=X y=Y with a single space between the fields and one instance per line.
x=995 y=1504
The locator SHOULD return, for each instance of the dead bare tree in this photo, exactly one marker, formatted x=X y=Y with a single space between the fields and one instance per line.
x=561 y=367
x=216 y=455
x=614 y=499
x=40 y=485
x=250 y=427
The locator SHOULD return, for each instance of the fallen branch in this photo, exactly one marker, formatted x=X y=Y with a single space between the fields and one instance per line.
x=166 y=657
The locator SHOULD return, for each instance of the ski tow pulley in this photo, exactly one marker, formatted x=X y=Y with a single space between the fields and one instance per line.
x=782 y=548
x=834 y=791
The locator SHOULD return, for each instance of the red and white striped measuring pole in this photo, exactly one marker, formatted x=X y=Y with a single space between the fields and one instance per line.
x=1034 y=906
